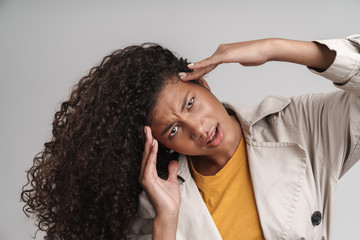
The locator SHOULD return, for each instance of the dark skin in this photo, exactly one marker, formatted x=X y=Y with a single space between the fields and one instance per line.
x=191 y=127
x=189 y=119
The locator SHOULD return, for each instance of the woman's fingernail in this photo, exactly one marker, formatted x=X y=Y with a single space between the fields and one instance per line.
x=191 y=64
x=182 y=75
x=153 y=142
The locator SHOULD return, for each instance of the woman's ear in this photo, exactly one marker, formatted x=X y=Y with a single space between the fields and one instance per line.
x=203 y=82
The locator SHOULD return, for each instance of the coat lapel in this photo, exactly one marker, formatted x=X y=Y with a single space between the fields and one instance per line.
x=195 y=221
x=277 y=170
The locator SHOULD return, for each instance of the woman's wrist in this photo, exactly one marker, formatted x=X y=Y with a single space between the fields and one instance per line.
x=164 y=227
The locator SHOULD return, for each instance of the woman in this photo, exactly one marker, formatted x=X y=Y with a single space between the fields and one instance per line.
x=288 y=153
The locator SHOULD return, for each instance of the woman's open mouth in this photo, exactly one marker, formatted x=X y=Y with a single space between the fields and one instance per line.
x=216 y=138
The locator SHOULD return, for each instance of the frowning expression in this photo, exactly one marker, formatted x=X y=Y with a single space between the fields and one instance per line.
x=189 y=119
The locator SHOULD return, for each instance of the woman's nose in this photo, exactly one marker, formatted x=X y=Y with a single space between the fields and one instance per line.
x=195 y=138
x=197 y=128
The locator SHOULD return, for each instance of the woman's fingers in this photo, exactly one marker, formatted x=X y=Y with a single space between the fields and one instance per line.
x=150 y=167
x=213 y=60
x=203 y=67
x=173 y=170
x=147 y=149
x=198 y=73
x=250 y=53
x=149 y=174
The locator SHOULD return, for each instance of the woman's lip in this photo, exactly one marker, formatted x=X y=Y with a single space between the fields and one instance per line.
x=218 y=139
x=210 y=133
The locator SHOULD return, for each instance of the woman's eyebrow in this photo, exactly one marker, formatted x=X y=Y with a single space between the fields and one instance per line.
x=182 y=109
x=184 y=101
x=167 y=128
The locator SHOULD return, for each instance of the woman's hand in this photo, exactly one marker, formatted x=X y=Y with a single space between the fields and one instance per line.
x=251 y=53
x=164 y=195
x=257 y=52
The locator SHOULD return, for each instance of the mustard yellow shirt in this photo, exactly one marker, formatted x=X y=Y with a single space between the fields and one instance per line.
x=230 y=198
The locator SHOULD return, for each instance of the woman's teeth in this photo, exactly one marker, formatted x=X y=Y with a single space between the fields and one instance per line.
x=213 y=135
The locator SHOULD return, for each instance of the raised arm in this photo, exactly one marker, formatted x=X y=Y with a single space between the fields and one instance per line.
x=257 y=52
x=331 y=119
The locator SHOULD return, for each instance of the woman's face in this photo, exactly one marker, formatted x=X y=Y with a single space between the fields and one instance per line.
x=189 y=119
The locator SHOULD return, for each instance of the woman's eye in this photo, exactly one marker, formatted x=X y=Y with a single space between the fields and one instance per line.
x=191 y=102
x=174 y=131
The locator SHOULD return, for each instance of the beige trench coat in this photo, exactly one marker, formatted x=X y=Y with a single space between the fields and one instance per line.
x=298 y=148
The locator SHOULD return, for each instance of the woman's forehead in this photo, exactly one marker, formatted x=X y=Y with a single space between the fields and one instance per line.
x=171 y=98
x=166 y=108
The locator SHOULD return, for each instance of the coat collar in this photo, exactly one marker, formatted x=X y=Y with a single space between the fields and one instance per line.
x=248 y=115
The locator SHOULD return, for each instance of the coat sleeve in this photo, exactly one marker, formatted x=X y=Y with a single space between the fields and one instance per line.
x=332 y=120
x=141 y=227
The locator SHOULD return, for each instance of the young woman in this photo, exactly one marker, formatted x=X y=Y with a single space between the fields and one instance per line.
x=267 y=171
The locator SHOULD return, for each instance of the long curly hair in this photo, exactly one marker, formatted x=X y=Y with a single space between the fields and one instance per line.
x=84 y=184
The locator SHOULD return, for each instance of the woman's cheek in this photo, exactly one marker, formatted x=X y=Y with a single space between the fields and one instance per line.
x=180 y=147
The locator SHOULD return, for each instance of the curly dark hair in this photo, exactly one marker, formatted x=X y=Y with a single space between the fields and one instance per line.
x=84 y=184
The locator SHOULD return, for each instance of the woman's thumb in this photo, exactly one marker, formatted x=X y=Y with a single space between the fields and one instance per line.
x=173 y=170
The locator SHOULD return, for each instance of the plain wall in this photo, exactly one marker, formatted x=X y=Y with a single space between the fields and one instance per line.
x=46 y=46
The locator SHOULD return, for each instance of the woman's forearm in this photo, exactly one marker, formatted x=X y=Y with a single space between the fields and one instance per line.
x=257 y=52
x=310 y=54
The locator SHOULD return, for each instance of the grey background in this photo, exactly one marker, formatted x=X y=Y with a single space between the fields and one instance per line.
x=46 y=46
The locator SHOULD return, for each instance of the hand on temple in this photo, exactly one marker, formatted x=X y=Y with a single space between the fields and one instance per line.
x=164 y=195
x=251 y=53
